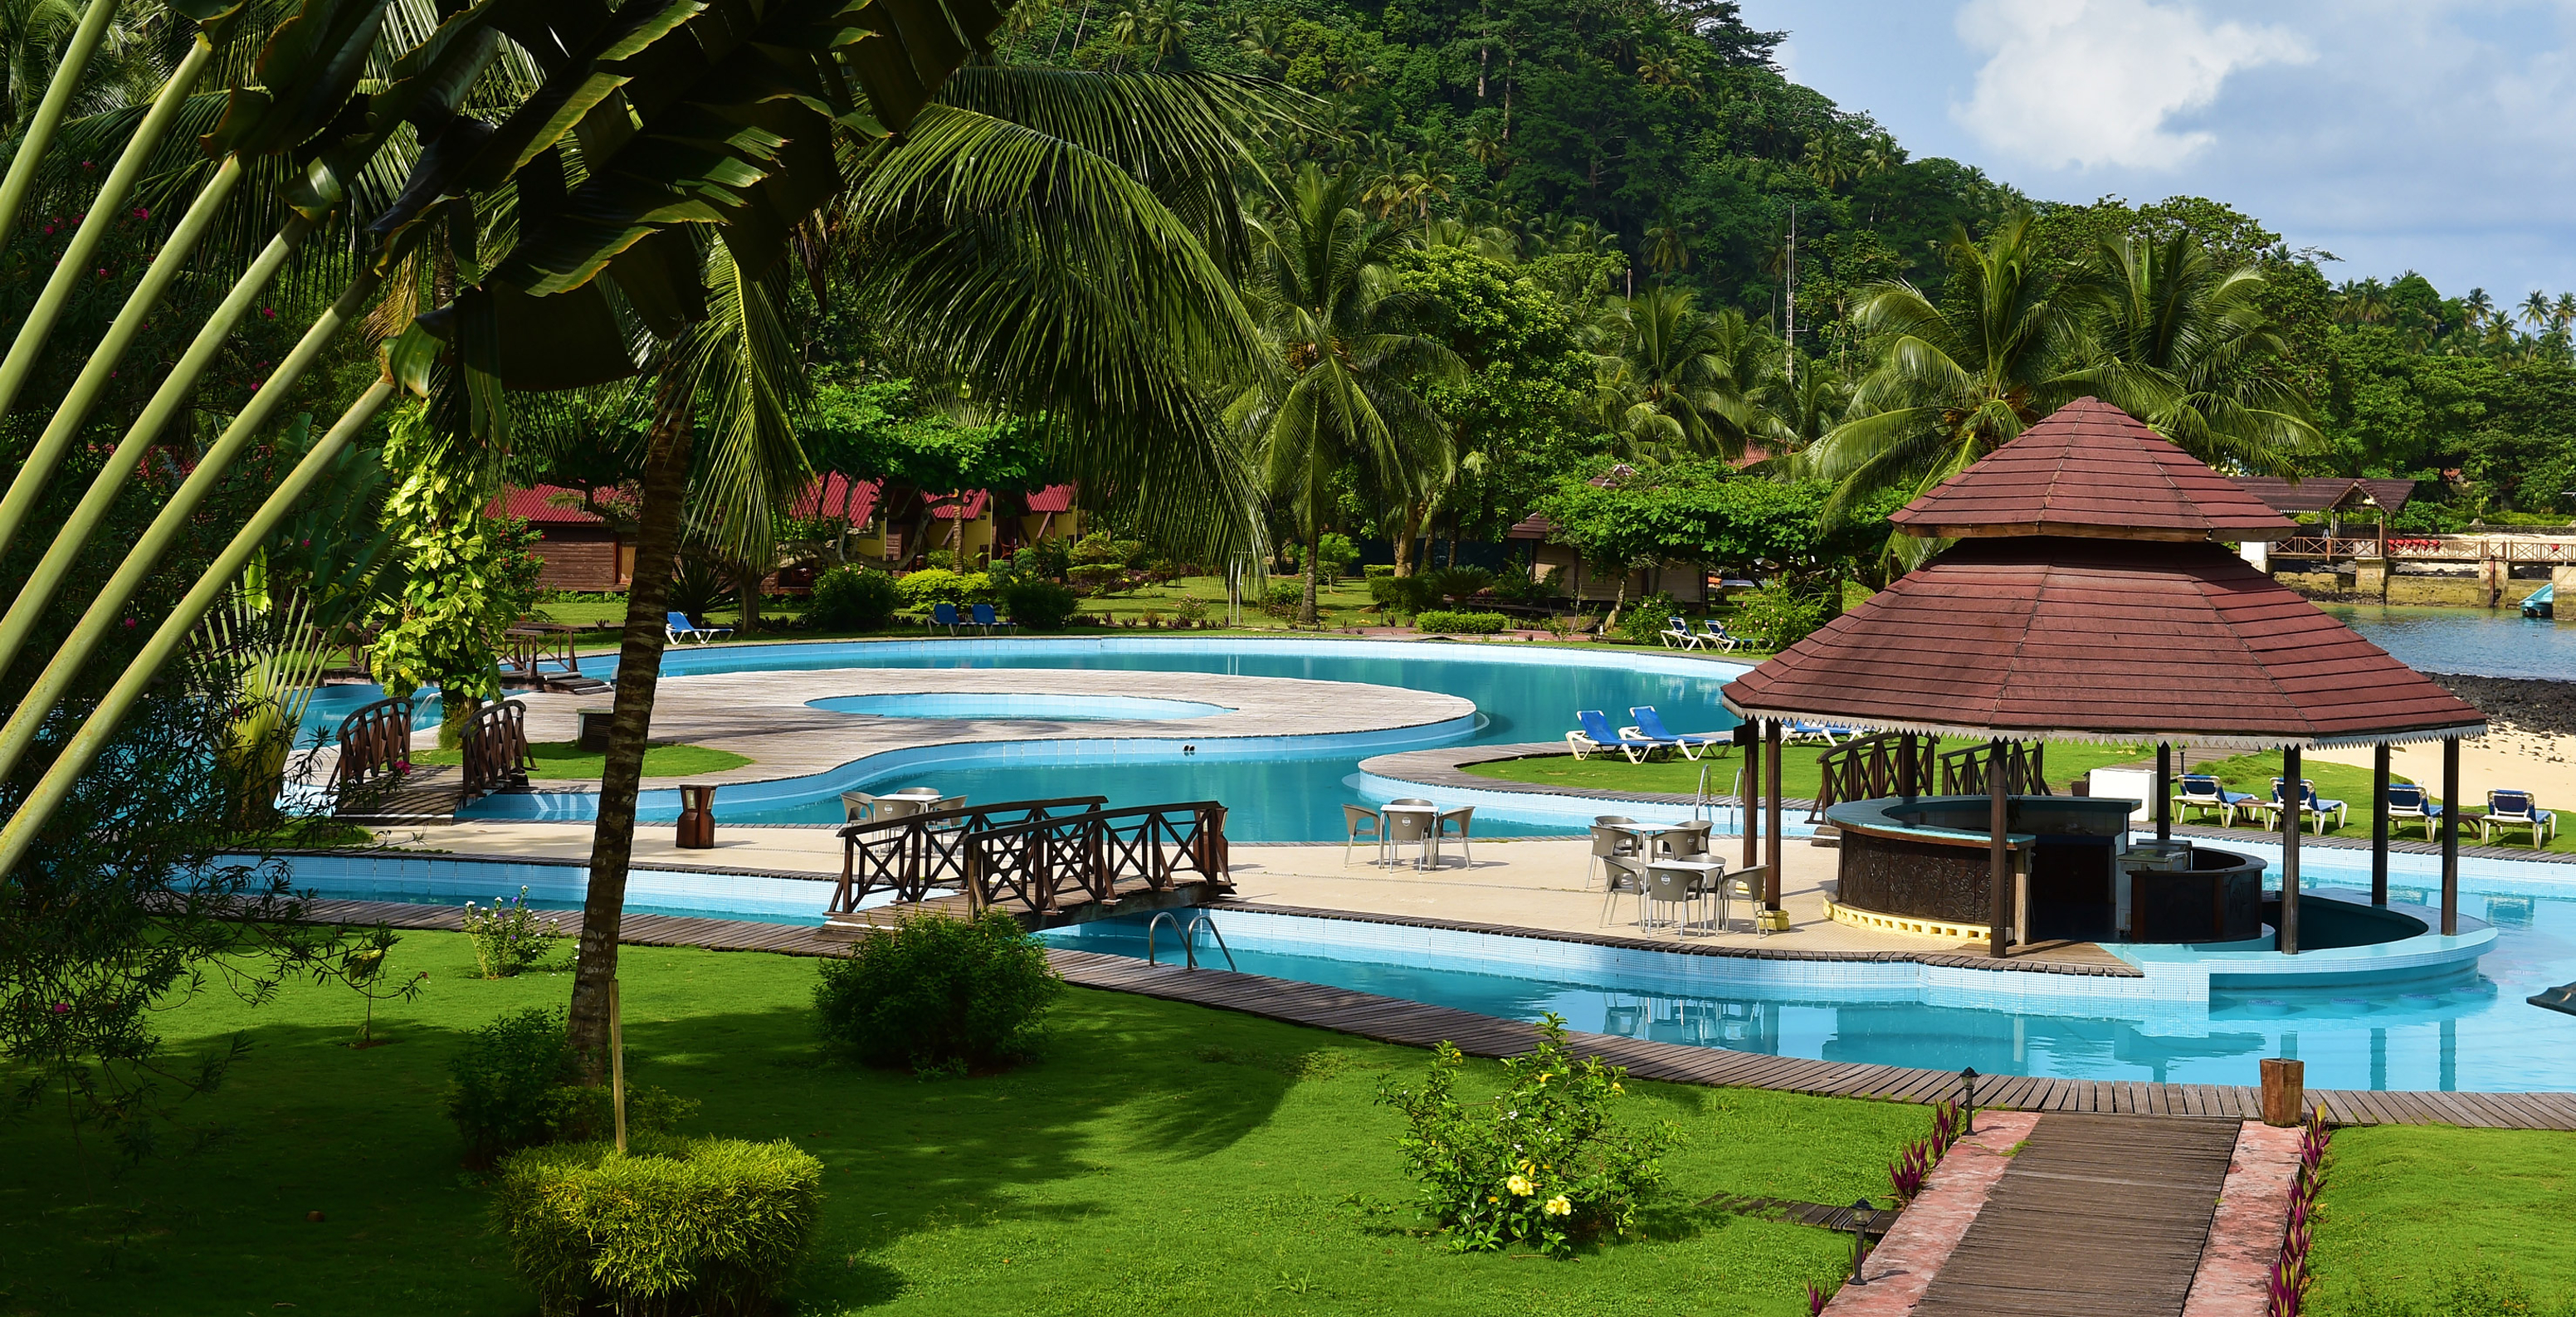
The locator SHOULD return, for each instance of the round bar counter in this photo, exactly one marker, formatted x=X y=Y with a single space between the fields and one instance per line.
x=1925 y=863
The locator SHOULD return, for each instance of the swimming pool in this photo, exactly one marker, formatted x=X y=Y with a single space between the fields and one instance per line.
x=1287 y=788
x=1032 y=708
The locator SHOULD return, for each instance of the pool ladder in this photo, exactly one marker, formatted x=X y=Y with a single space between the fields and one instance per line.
x=1189 y=938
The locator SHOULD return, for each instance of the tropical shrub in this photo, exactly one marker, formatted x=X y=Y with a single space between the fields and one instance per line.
x=1461 y=623
x=853 y=598
x=680 y=1226
x=1402 y=594
x=511 y=936
x=1542 y=1163
x=938 y=994
x=1282 y=599
x=1039 y=605
x=1377 y=569
x=1191 y=609
x=1334 y=552
x=1779 y=614
x=936 y=585
x=1459 y=582
x=1099 y=577
x=516 y=1084
x=1645 y=620
x=1096 y=550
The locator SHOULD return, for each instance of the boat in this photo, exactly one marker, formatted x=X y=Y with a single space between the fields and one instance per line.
x=2542 y=602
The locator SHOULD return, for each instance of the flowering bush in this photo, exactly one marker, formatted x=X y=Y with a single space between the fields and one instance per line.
x=1542 y=1163
x=938 y=585
x=511 y=936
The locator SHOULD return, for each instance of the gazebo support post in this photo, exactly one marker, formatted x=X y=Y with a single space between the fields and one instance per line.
x=1998 y=851
x=1751 y=803
x=2379 y=825
x=2450 y=836
x=1906 y=786
x=1771 y=814
x=2294 y=812
x=2164 y=792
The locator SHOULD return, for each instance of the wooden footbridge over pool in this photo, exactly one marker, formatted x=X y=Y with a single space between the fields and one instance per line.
x=1046 y=862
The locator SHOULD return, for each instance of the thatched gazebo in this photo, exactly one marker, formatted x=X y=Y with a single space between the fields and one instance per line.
x=2091 y=596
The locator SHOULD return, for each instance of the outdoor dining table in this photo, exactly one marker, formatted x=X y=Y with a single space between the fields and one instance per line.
x=1705 y=877
x=1430 y=835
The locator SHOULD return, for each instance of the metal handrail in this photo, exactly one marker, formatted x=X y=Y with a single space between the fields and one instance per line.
x=1162 y=917
x=1190 y=941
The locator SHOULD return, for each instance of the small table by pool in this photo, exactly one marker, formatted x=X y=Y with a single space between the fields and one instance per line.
x=1430 y=814
x=1707 y=877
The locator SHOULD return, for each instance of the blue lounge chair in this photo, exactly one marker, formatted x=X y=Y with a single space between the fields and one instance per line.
x=1650 y=725
x=677 y=629
x=2516 y=809
x=2408 y=801
x=984 y=618
x=2310 y=807
x=1677 y=632
x=1713 y=633
x=1802 y=731
x=945 y=615
x=2203 y=791
x=1598 y=735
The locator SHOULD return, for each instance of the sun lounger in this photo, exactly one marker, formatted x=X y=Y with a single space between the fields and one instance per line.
x=2203 y=791
x=1677 y=633
x=1713 y=634
x=985 y=618
x=2517 y=809
x=946 y=615
x=1650 y=726
x=2408 y=801
x=2310 y=807
x=1802 y=731
x=1597 y=735
x=677 y=629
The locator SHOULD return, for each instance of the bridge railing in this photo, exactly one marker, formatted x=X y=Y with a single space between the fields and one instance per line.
x=1042 y=861
x=496 y=748
x=375 y=745
x=1872 y=767
x=1966 y=771
x=912 y=855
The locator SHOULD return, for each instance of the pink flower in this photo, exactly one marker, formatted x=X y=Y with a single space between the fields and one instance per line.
x=49 y=229
x=62 y=1008
x=141 y=212
x=268 y=313
x=102 y=272
x=89 y=164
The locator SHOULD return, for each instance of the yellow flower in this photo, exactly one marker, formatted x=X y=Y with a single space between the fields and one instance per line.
x=1558 y=1206
x=1543 y=1077
x=1614 y=1087
x=1519 y=1185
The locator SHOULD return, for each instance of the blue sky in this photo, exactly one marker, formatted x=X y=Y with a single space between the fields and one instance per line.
x=2435 y=135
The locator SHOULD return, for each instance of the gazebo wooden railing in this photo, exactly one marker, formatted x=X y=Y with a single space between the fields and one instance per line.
x=375 y=744
x=1966 y=772
x=1089 y=854
x=496 y=748
x=910 y=856
x=1872 y=767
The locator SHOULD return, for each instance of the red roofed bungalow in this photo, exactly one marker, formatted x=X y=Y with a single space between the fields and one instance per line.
x=2090 y=596
x=580 y=550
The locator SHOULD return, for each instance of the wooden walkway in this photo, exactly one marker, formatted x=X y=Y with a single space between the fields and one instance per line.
x=1415 y=1024
x=427 y=795
x=2096 y=1215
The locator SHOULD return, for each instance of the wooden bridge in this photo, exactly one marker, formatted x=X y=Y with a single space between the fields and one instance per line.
x=1048 y=862
x=375 y=781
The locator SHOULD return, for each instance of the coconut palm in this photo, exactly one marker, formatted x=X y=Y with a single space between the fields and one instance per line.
x=2184 y=345
x=1339 y=387
x=1955 y=379
x=1676 y=381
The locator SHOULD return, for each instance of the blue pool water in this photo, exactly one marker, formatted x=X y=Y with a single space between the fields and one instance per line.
x=1280 y=789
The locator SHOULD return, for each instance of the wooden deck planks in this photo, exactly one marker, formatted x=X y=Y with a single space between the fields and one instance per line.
x=2100 y=1215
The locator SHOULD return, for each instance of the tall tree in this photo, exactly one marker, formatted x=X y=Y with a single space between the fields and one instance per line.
x=1341 y=378
x=1676 y=382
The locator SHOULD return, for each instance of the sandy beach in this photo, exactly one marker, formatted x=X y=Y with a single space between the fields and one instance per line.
x=2530 y=744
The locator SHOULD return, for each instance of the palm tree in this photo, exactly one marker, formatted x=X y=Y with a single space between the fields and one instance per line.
x=1339 y=383
x=1955 y=379
x=1666 y=249
x=2535 y=309
x=2183 y=344
x=1678 y=381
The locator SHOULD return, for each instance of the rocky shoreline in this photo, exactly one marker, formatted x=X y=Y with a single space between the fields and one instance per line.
x=2526 y=716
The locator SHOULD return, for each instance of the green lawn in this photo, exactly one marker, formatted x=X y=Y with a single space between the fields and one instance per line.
x=2430 y=1221
x=1159 y=1158
x=1799 y=778
x=565 y=761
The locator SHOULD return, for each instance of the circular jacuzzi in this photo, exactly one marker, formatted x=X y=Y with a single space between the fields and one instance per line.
x=1027 y=707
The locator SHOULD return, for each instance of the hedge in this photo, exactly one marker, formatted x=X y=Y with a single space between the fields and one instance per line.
x=1462 y=624
x=694 y=1225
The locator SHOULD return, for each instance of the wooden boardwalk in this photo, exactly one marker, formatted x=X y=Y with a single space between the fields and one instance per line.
x=427 y=795
x=1415 y=1024
x=2098 y=1215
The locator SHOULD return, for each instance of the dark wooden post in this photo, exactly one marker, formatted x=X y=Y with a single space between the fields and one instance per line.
x=1906 y=786
x=1751 y=802
x=2164 y=792
x=2379 y=825
x=1998 y=851
x=1771 y=813
x=2293 y=813
x=2451 y=837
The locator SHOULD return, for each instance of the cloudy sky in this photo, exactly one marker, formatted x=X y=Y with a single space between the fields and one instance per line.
x=2434 y=135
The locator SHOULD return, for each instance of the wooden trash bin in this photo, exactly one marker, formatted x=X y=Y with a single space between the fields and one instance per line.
x=2285 y=1096
x=594 y=728
x=697 y=818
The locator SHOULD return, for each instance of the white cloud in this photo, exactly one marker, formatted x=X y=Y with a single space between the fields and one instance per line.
x=2096 y=83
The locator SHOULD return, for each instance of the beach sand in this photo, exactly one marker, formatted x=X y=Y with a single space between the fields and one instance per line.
x=2530 y=744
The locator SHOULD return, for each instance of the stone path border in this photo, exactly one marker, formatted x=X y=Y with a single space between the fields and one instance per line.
x=1903 y=1265
x=2235 y=1276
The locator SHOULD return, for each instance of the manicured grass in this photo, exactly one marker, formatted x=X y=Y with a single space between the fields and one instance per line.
x=565 y=761
x=2430 y=1221
x=1799 y=777
x=1158 y=1158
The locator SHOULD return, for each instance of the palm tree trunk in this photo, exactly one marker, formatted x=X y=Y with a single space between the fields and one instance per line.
x=1306 y=615
x=639 y=670
x=1405 y=562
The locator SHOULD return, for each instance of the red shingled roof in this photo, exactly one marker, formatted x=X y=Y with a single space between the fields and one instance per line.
x=530 y=505
x=2092 y=469
x=1053 y=498
x=2102 y=640
x=2317 y=493
x=835 y=495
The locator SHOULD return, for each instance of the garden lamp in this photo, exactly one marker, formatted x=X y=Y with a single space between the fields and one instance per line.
x=1968 y=1100
x=1862 y=1215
